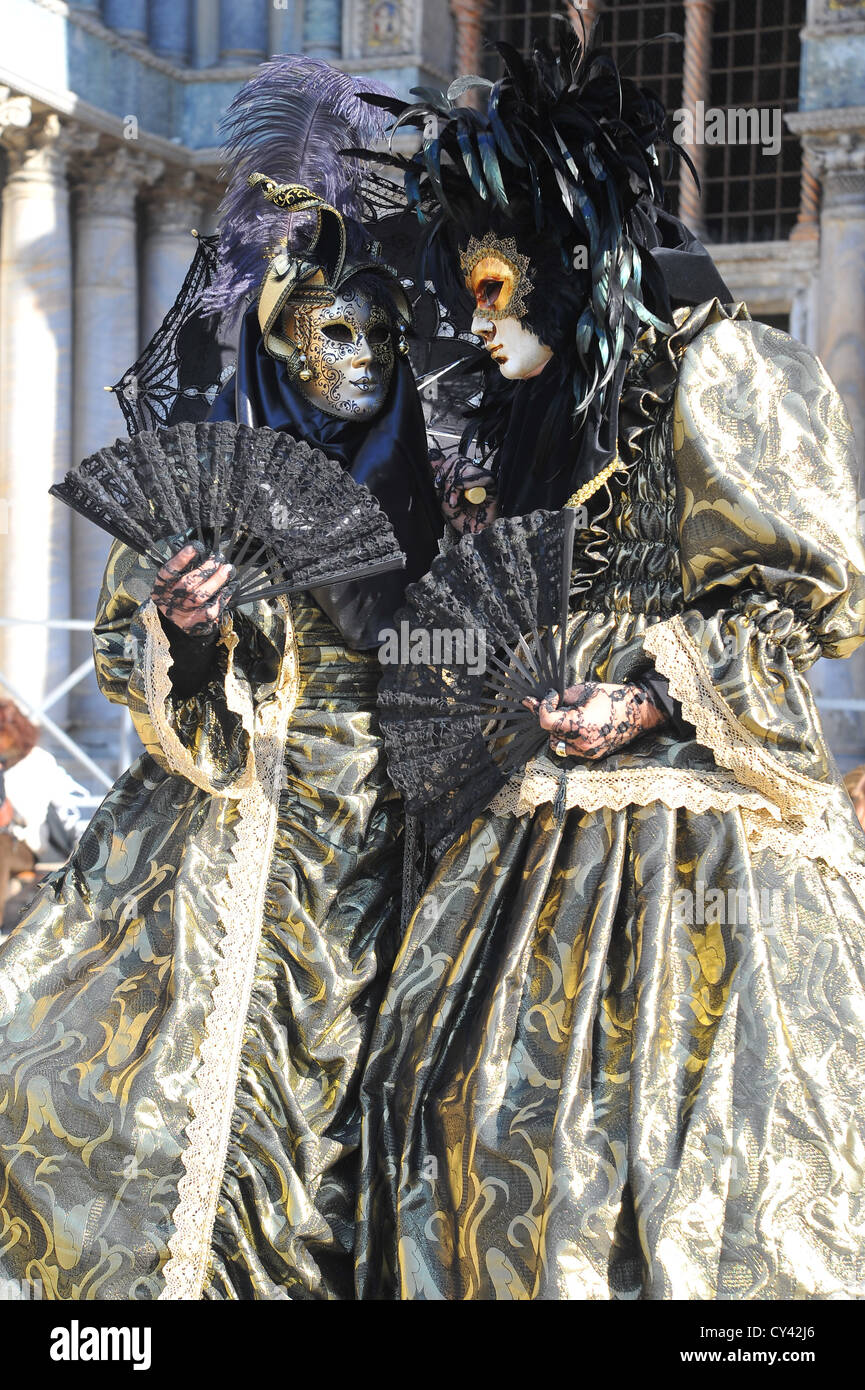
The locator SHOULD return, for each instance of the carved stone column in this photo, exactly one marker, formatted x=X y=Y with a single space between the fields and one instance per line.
x=35 y=398
x=16 y=112
x=205 y=49
x=243 y=31
x=322 y=29
x=168 y=28
x=127 y=17
x=173 y=208
x=106 y=342
x=834 y=147
x=695 y=88
x=807 y=226
x=842 y=272
x=285 y=31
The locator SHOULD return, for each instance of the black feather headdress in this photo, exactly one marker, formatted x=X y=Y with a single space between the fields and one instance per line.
x=564 y=157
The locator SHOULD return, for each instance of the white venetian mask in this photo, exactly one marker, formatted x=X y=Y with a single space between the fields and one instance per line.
x=497 y=276
x=349 y=353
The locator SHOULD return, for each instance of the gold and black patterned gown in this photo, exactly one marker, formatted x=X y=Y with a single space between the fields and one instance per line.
x=184 y=1010
x=623 y=1056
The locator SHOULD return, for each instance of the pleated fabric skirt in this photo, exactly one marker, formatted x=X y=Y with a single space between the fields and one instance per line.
x=619 y=1058
x=106 y=989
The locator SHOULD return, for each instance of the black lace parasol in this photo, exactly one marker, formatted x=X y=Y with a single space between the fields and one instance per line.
x=179 y=372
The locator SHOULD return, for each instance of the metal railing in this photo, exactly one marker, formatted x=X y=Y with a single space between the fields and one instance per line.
x=38 y=712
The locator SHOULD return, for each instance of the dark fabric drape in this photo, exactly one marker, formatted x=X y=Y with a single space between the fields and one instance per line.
x=544 y=456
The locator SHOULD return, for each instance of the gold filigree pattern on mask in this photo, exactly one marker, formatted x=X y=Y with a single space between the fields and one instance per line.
x=348 y=354
x=497 y=274
x=293 y=197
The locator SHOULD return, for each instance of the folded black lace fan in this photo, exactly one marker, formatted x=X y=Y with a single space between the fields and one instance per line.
x=286 y=516
x=483 y=630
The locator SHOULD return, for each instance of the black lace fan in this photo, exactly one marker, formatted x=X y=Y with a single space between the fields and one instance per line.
x=286 y=516
x=483 y=630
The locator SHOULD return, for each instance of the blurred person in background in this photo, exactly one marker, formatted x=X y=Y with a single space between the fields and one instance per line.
x=43 y=810
x=17 y=738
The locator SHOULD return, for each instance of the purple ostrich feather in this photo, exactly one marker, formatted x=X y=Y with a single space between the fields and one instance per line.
x=289 y=122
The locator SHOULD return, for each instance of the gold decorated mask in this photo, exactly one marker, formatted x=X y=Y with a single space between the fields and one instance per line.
x=336 y=340
x=497 y=276
x=348 y=350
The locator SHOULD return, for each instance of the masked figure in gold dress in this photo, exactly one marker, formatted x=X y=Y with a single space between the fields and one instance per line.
x=622 y=1051
x=184 y=1010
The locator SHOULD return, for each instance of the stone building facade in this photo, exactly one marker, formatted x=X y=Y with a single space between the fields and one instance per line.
x=109 y=113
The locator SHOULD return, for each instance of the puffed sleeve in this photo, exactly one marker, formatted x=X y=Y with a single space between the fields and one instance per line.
x=772 y=565
x=206 y=737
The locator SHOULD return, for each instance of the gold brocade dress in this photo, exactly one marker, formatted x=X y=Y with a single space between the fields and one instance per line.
x=623 y=1056
x=184 y=1010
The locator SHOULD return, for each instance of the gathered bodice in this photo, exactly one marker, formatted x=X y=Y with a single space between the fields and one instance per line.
x=330 y=671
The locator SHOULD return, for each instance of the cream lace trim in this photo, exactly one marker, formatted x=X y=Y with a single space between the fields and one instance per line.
x=595 y=789
x=677 y=658
x=781 y=809
x=157 y=690
x=815 y=842
x=216 y=1079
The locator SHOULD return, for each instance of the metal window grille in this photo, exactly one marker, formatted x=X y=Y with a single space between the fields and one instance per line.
x=749 y=195
x=626 y=25
x=630 y=30
x=517 y=22
x=629 y=27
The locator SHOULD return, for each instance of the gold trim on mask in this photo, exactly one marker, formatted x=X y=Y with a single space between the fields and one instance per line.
x=312 y=279
x=497 y=275
x=294 y=197
x=327 y=381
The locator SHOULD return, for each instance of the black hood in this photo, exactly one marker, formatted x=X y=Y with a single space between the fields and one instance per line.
x=388 y=454
x=544 y=457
